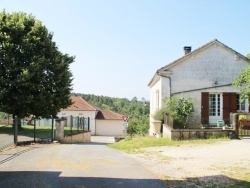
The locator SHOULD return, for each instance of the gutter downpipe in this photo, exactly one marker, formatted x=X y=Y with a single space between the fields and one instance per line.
x=163 y=74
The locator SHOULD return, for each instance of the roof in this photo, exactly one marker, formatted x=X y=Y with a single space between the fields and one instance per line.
x=79 y=104
x=108 y=115
x=215 y=41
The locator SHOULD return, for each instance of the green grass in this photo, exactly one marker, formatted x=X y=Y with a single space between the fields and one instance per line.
x=28 y=130
x=131 y=145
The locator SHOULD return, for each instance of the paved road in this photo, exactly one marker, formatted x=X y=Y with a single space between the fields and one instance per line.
x=88 y=165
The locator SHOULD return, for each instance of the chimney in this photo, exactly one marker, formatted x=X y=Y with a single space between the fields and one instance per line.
x=187 y=49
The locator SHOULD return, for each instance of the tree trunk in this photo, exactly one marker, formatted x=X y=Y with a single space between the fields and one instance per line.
x=19 y=122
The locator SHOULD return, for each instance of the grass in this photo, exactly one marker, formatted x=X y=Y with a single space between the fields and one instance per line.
x=131 y=145
x=28 y=130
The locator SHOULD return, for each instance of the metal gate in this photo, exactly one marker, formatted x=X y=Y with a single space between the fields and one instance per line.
x=244 y=128
x=75 y=124
x=6 y=136
x=36 y=129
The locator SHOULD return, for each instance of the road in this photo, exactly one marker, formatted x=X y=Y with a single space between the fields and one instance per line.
x=87 y=165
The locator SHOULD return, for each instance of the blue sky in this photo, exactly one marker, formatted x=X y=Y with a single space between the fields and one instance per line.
x=119 y=44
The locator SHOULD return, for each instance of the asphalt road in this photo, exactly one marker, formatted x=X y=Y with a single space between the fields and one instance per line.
x=87 y=165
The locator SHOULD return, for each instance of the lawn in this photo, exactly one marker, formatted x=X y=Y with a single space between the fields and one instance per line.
x=28 y=130
x=132 y=145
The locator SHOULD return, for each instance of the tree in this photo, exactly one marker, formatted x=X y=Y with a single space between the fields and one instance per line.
x=34 y=75
x=179 y=108
x=243 y=82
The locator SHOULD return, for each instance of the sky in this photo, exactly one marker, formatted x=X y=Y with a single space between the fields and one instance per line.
x=119 y=44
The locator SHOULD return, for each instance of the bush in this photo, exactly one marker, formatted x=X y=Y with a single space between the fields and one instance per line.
x=180 y=109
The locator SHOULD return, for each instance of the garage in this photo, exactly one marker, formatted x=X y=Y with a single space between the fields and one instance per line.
x=109 y=123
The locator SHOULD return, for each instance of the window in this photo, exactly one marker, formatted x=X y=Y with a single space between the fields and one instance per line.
x=241 y=106
x=156 y=99
x=214 y=104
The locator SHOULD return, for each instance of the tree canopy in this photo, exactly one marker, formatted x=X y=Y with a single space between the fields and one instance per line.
x=243 y=82
x=34 y=75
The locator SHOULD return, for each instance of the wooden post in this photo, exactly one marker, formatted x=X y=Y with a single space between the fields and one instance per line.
x=236 y=124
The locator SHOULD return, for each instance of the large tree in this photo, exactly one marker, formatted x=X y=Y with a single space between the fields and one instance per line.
x=34 y=75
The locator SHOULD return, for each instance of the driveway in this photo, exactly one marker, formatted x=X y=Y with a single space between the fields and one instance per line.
x=88 y=165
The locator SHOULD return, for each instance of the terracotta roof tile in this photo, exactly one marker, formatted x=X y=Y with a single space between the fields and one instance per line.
x=79 y=104
x=108 y=115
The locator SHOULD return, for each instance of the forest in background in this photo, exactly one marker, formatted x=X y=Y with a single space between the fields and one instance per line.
x=136 y=110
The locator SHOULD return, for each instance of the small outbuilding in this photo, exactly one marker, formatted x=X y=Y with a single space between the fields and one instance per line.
x=102 y=122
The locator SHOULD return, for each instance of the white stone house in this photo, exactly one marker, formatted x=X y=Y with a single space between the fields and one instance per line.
x=206 y=75
x=102 y=122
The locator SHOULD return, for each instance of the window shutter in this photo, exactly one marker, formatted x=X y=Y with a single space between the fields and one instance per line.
x=226 y=107
x=204 y=108
x=233 y=99
x=229 y=105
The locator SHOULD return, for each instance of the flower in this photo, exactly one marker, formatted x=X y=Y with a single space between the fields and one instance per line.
x=242 y=117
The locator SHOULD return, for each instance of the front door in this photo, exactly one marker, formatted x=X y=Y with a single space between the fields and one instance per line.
x=215 y=108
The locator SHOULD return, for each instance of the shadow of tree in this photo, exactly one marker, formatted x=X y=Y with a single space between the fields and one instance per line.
x=28 y=179
x=219 y=181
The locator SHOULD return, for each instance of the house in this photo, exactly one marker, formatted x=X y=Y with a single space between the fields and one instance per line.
x=102 y=122
x=206 y=75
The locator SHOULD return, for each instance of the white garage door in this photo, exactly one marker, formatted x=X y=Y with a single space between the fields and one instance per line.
x=109 y=127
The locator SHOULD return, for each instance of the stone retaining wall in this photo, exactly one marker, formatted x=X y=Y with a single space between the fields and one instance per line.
x=77 y=138
x=189 y=134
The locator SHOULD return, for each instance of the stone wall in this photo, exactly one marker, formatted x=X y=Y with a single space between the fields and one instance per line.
x=77 y=138
x=191 y=134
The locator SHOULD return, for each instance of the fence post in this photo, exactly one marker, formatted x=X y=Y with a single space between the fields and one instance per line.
x=83 y=123
x=236 y=124
x=71 y=124
x=15 y=130
x=78 y=123
x=88 y=123
x=34 y=129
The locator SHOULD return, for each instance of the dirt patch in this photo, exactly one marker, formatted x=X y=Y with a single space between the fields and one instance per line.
x=222 y=164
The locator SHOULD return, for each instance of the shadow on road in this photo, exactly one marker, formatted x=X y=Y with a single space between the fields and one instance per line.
x=217 y=181
x=55 y=179
x=26 y=179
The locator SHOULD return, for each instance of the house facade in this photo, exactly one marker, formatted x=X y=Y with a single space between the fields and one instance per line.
x=102 y=122
x=206 y=75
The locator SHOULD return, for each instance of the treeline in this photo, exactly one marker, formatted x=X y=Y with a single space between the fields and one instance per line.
x=136 y=110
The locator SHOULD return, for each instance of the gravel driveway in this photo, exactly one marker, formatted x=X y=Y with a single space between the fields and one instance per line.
x=209 y=165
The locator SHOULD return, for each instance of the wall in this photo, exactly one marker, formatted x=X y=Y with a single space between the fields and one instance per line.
x=190 y=134
x=109 y=127
x=77 y=138
x=162 y=85
x=91 y=114
x=203 y=68
x=195 y=119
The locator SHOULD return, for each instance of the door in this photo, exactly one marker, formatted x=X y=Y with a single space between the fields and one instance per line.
x=215 y=108
x=204 y=108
